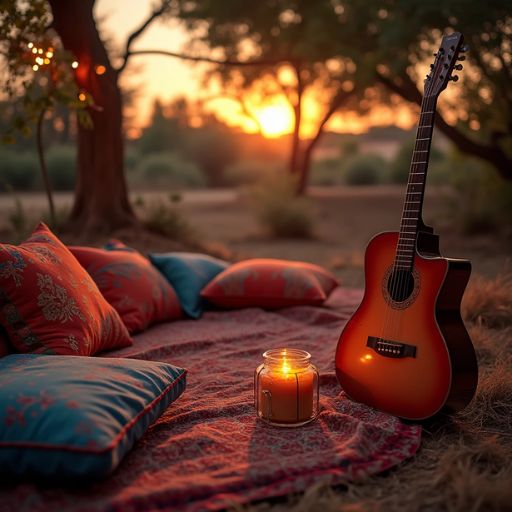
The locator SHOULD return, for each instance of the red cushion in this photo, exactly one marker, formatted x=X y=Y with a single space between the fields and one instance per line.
x=130 y=283
x=270 y=284
x=49 y=304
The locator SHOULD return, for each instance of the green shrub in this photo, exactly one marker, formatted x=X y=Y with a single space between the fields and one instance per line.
x=18 y=171
x=131 y=158
x=170 y=169
x=61 y=164
x=327 y=172
x=166 y=219
x=364 y=169
x=482 y=201
x=279 y=210
x=247 y=172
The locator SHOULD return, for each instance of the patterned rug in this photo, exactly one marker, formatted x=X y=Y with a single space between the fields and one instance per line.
x=208 y=451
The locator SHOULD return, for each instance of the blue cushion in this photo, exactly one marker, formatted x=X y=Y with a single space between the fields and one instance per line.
x=188 y=274
x=64 y=416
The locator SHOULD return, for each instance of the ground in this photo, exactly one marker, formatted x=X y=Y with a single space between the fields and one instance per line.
x=345 y=219
x=465 y=462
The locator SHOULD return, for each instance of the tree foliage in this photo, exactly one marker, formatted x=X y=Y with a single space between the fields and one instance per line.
x=366 y=49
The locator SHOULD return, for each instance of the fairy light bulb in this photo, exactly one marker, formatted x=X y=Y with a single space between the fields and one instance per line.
x=74 y=64
x=31 y=45
x=100 y=69
x=35 y=67
x=81 y=96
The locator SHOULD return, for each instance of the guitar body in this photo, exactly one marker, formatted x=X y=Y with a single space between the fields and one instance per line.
x=409 y=356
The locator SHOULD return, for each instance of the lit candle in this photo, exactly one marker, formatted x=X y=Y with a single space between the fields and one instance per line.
x=286 y=387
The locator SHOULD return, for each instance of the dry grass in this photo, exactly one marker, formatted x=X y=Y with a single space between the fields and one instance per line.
x=465 y=462
x=489 y=302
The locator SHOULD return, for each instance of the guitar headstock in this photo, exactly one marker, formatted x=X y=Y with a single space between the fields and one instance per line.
x=441 y=71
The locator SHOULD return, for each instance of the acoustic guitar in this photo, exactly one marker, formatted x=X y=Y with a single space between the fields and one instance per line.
x=405 y=351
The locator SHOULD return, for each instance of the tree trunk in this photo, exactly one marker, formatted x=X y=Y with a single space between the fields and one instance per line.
x=101 y=198
x=297 y=110
x=305 y=165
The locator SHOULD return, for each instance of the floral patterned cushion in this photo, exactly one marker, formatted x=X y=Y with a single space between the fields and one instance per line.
x=128 y=281
x=49 y=304
x=270 y=284
x=78 y=416
x=188 y=273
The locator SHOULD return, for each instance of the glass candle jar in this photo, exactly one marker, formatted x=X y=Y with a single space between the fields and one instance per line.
x=286 y=388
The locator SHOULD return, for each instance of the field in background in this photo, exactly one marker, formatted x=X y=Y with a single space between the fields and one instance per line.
x=343 y=218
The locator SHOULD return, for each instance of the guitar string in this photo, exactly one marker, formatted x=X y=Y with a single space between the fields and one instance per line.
x=400 y=275
x=403 y=279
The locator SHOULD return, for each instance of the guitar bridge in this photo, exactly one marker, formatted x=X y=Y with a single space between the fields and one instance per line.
x=389 y=348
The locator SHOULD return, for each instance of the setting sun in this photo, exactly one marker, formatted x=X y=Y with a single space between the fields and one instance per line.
x=275 y=120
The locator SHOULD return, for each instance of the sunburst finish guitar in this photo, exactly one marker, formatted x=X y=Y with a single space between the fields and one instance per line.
x=405 y=350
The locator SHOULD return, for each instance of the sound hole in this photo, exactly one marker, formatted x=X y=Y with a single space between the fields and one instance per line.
x=400 y=285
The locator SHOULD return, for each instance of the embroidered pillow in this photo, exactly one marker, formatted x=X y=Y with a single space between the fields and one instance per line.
x=49 y=304
x=66 y=417
x=188 y=273
x=128 y=281
x=270 y=284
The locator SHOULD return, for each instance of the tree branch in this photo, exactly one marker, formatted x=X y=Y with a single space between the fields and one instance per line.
x=210 y=60
x=492 y=153
x=134 y=35
x=337 y=102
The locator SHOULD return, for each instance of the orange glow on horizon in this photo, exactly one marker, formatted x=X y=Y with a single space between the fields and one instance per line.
x=275 y=120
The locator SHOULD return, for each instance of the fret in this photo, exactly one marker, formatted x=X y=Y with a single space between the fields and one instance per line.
x=407 y=238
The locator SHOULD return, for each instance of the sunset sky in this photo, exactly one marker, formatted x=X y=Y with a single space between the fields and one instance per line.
x=167 y=78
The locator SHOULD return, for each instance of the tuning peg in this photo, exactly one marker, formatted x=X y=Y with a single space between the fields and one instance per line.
x=465 y=48
x=461 y=57
x=458 y=67
x=454 y=78
x=431 y=66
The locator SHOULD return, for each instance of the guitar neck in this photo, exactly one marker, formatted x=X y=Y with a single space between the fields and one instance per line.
x=413 y=204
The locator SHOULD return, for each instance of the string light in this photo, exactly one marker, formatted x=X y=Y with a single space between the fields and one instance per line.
x=40 y=61
x=82 y=96
x=74 y=64
x=47 y=60
x=34 y=50
x=39 y=50
x=49 y=54
x=100 y=70
x=35 y=67
x=31 y=45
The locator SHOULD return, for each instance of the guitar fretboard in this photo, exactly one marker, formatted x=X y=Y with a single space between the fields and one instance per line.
x=411 y=213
